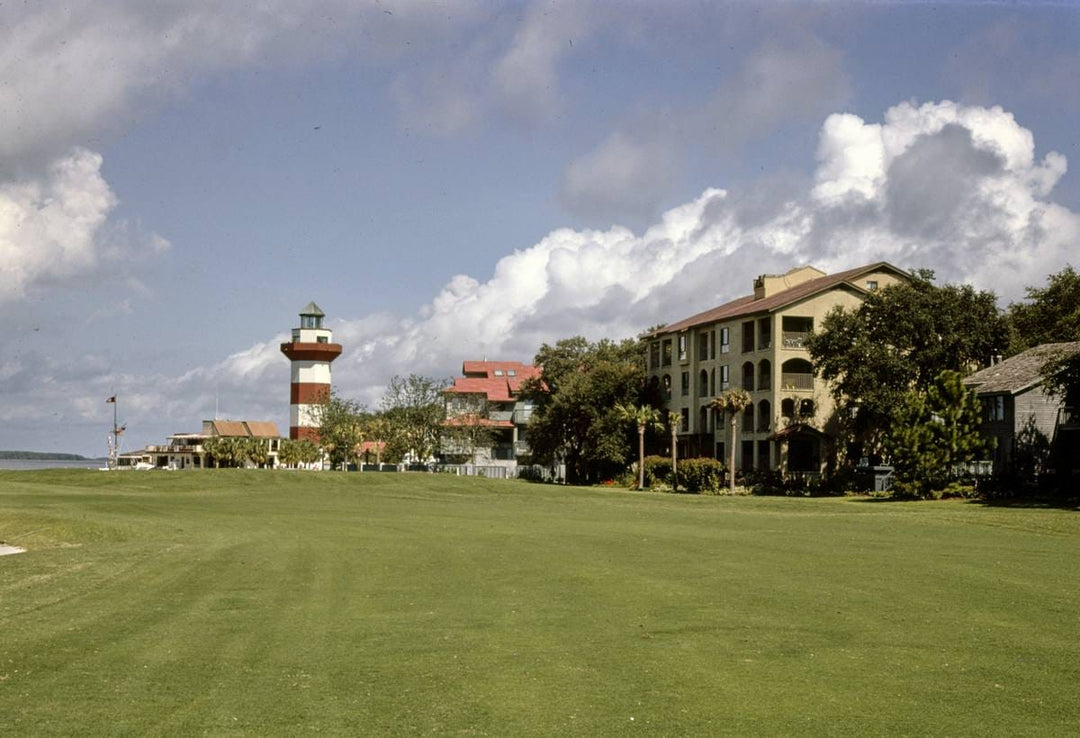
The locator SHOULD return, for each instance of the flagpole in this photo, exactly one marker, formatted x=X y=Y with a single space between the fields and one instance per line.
x=115 y=439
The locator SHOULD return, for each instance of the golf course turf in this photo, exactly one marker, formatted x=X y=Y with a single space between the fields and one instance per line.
x=282 y=603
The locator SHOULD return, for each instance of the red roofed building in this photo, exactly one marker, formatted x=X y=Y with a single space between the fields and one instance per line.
x=756 y=343
x=489 y=395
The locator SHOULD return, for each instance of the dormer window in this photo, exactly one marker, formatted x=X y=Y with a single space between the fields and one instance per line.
x=498 y=372
x=511 y=372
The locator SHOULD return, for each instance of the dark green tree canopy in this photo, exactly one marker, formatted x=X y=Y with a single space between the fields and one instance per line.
x=575 y=419
x=899 y=339
x=933 y=433
x=1051 y=314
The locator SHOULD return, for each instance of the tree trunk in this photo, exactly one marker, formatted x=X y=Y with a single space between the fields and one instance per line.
x=641 y=457
x=674 y=457
x=731 y=455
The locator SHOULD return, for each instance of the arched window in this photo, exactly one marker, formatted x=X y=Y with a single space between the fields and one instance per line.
x=764 y=374
x=787 y=408
x=748 y=419
x=748 y=376
x=764 y=415
x=797 y=374
x=806 y=409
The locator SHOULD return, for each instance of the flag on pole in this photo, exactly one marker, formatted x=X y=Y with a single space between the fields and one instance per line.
x=111 y=399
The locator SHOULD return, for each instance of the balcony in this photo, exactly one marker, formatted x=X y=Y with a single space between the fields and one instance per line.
x=795 y=339
x=521 y=448
x=501 y=415
x=522 y=416
x=793 y=381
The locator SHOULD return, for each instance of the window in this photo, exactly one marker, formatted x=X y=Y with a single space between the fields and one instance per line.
x=747 y=456
x=765 y=333
x=725 y=340
x=762 y=455
x=666 y=353
x=703 y=346
x=685 y=384
x=764 y=374
x=684 y=424
x=748 y=419
x=703 y=419
x=511 y=372
x=712 y=383
x=667 y=386
x=703 y=384
x=322 y=339
x=994 y=408
x=787 y=408
x=654 y=355
x=806 y=409
x=720 y=451
x=764 y=415
x=871 y=284
x=725 y=378
x=748 y=336
x=712 y=344
x=682 y=347
x=748 y=376
x=498 y=372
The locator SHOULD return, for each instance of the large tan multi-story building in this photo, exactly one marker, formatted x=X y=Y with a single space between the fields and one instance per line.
x=757 y=343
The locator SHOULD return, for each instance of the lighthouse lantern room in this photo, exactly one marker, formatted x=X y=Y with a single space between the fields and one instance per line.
x=310 y=352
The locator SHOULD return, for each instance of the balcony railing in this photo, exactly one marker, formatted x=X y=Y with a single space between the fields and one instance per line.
x=795 y=339
x=521 y=448
x=523 y=416
x=501 y=415
x=794 y=381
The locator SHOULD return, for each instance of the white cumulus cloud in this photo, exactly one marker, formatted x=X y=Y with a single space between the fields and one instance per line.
x=959 y=189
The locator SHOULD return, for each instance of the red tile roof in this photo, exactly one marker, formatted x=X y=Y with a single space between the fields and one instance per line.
x=747 y=305
x=480 y=379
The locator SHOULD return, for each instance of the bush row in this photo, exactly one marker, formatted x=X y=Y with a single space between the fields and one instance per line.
x=696 y=476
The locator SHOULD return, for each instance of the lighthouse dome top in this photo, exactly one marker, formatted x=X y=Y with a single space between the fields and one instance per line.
x=312 y=309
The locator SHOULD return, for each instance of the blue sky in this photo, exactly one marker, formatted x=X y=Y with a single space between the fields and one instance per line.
x=457 y=180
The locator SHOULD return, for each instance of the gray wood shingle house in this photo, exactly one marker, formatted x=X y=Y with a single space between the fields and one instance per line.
x=1017 y=410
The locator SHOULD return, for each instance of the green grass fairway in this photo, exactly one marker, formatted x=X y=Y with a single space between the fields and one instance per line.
x=280 y=604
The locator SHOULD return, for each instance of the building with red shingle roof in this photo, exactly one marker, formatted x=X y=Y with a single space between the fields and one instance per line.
x=757 y=343
x=488 y=395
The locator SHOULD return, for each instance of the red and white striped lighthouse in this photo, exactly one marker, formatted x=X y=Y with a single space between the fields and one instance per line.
x=310 y=352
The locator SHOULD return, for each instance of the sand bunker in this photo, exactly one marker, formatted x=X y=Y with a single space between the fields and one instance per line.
x=7 y=550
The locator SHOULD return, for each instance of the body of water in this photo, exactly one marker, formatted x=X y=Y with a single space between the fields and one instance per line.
x=28 y=464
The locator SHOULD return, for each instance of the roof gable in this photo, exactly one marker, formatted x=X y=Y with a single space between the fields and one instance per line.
x=748 y=305
x=1020 y=372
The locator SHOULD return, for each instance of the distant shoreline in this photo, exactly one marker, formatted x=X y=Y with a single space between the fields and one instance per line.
x=44 y=456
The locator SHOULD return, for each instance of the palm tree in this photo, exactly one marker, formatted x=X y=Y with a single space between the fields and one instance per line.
x=642 y=416
x=732 y=402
